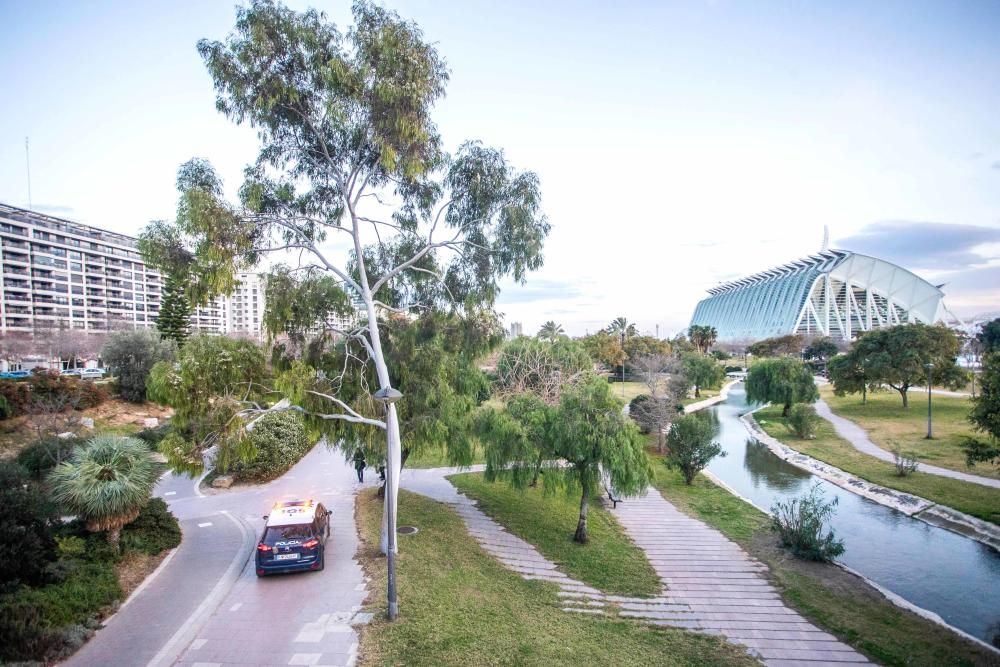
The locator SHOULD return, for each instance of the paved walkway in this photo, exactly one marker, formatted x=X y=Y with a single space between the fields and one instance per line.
x=859 y=439
x=710 y=585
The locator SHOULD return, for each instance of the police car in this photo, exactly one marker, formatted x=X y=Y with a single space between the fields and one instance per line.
x=294 y=537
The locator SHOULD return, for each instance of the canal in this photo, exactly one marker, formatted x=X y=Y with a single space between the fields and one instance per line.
x=950 y=575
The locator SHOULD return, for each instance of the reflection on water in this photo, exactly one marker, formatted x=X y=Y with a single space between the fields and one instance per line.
x=767 y=469
x=951 y=575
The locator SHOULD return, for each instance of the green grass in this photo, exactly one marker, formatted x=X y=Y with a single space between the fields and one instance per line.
x=438 y=458
x=610 y=562
x=979 y=501
x=890 y=425
x=705 y=393
x=460 y=606
x=833 y=599
x=631 y=390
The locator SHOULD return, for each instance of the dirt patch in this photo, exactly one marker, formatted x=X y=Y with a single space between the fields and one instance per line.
x=134 y=568
x=114 y=414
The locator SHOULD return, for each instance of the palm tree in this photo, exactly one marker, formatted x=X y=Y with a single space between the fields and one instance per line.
x=703 y=336
x=551 y=331
x=106 y=483
x=621 y=324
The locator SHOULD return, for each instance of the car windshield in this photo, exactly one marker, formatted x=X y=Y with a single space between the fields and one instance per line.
x=275 y=534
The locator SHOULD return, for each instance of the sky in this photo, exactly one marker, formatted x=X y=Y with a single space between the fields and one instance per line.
x=678 y=144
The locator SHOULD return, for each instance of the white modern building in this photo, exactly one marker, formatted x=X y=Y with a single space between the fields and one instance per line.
x=834 y=293
x=59 y=274
x=245 y=306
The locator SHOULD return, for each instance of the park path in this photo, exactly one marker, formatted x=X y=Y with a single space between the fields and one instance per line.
x=206 y=607
x=859 y=439
x=710 y=585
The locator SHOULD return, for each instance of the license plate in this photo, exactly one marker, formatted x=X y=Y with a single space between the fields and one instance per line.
x=287 y=557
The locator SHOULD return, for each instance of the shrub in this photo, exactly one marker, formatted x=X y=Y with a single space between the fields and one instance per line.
x=154 y=530
x=131 y=355
x=278 y=440
x=905 y=462
x=689 y=445
x=26 y=519
x=44 y=454
x=635 y=407
x=45 y=390
x=803 y=420
x=799 y=523
x=106 y=483
x=154 y=436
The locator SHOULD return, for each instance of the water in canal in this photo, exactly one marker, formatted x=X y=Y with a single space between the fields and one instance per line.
x=953 y=576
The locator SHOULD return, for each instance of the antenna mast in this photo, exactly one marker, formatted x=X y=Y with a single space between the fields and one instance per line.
x=27 y=164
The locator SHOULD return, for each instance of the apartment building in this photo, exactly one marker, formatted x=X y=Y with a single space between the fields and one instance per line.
x=60 y=274
x=246 y=306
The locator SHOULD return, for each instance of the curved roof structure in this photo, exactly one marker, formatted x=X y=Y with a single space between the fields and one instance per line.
x=834 y=293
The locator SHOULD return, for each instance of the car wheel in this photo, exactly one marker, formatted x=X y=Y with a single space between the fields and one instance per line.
x=322 y=563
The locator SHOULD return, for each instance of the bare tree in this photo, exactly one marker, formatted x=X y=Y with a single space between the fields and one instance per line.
x=667 y=387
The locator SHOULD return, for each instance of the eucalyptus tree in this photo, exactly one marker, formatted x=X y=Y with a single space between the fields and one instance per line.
x=352 y=159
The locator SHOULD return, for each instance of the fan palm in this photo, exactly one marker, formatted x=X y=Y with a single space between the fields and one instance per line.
x=551 y=331
x=106 y=483
x=620 y=325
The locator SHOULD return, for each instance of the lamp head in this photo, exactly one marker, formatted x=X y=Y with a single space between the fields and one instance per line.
x=387 y=396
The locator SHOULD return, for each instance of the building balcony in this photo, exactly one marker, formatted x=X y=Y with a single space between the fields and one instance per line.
x=14 y=270
x=20 y=245
x=20 y=259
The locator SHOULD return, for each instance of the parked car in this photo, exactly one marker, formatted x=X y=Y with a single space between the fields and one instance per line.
x=71 y=371
x=14 y=375
x=294 y=538
x=92 y=373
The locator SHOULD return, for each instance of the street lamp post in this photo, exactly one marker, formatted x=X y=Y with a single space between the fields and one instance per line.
x=623 y=363
x=930 y=367
x=387 y=396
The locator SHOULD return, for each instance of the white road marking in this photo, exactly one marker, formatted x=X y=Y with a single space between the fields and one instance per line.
x=198 y=643
x=236 y=606
x=305 y=659
x=205 y=525
x=170 y=493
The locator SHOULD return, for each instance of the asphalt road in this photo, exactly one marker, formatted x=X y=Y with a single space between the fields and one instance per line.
x=205 y=606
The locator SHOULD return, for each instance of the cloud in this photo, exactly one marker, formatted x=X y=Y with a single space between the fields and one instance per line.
x=53 y=209
x=996 y=165
x=538 y=289
x=928 y=246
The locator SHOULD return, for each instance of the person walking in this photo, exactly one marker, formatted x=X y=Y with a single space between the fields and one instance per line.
x=359 y=464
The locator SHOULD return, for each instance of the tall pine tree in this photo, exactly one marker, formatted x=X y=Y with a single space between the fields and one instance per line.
x=174 y=320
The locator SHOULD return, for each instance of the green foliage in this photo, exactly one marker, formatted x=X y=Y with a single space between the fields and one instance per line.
x=638 y=348
x=803 y=420
x=989 y=336
x=985 y=414
x=155 y=435
x=26 y=520
x=848 y=375
x=782 y=381
x=897 y=356
x=155 y=530
x=702 y=336
x=551 y=332
x=604 y=348
x=174 y=319
x=721 y=355
x=106 y=482
x=278 y=441
x=6 y=411
x=690 y=445
x=587 y=431
x=820 y=348
x=213 y=378
x=799 y=523
x=778 y=346
x=702 y=371
x=621 y=325
x=44 y=454
x=131 y=355
x=45 y=389
x=299 y=304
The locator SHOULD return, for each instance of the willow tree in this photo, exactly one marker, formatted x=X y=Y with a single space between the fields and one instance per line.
x=353 y=179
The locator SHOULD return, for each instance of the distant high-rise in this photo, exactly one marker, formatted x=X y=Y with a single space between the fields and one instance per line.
x=516 y=329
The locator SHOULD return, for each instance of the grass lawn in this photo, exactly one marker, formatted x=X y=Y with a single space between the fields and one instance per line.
x=979 y=501
x=632 y=389
x=889 y=425
x=705 y=393
x=833 y=599
x=459 y=606
x=610 y=562
x=438 y=458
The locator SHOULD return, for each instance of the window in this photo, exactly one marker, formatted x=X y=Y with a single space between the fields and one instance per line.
x=73 y=254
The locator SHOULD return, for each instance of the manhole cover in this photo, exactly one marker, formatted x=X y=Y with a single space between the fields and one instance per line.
x=407 y=530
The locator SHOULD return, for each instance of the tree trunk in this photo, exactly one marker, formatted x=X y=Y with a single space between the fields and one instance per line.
x=659 y=440
x=581 y=526
x=864 y=395
x=697 y=391
x=538 y=470
x=906 y=400
x=785 y=410
x=114 y=538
